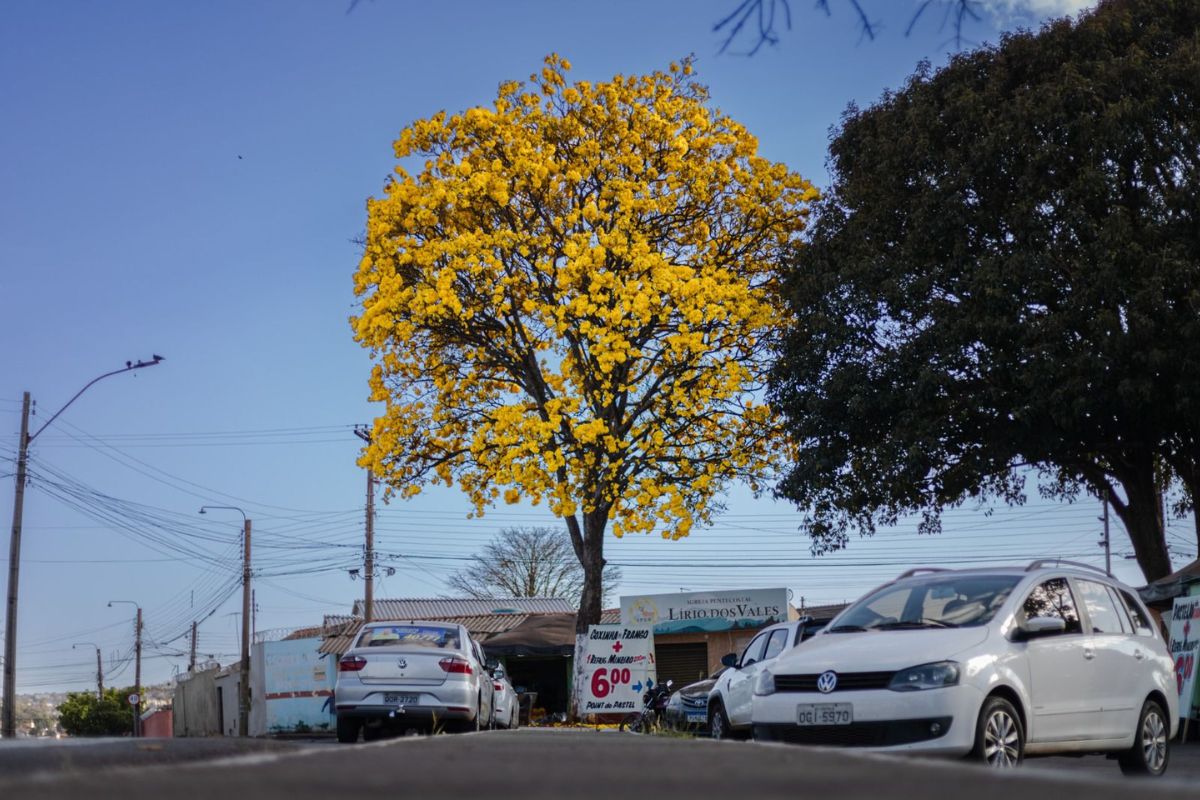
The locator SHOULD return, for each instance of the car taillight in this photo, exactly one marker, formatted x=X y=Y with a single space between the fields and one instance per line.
x=459 y=665
x=496 y=685
x=351 y=664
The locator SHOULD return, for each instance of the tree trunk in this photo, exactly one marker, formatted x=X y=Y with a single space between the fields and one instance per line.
x=1141 y=513
x=589 y=546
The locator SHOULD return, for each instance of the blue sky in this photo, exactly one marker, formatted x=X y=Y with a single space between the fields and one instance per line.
x=187 y=179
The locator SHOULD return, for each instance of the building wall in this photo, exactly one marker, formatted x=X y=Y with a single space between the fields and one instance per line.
x=226 y=688
x=719 y=643
x=294 y=692
x=195 y=705
x=159 y=725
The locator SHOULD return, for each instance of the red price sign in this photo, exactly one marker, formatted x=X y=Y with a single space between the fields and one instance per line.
x=604 y=680
x=1183 y=669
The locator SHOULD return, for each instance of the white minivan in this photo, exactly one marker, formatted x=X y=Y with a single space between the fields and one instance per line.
x=995 y=664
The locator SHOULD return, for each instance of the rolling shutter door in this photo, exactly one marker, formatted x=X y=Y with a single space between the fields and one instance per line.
x=682 y=663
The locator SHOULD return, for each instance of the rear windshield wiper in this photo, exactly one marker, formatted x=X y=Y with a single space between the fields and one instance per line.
x=845 y=629
x=916 y=623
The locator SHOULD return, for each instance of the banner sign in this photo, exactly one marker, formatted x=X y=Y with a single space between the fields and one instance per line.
x=618 y=668
x=1185 y=644
x=703 y=612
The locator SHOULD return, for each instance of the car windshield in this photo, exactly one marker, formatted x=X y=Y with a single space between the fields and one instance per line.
x=944 y=601
x=409 y=636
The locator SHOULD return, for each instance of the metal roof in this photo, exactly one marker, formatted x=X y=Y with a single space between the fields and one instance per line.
x=440 y=607
x=480 y=626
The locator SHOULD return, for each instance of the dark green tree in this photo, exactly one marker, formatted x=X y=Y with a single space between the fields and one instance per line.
x=84 y=714
x=1006 y=273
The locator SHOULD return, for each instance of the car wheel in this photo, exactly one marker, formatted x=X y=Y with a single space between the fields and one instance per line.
x=718 y=723
x=347 y=730
x=1151 y=747
x=999 y=737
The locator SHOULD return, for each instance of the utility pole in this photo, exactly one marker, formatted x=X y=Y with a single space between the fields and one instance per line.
x=244 y=694
x=99 y=668
x=1107 y=540
x=8 y=716
x=9 y=726
x=192 y=656
x=137 y=677
x=244 y=688
x=369 y=554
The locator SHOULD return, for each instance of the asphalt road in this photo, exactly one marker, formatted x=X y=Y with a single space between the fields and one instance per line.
x=531 y=764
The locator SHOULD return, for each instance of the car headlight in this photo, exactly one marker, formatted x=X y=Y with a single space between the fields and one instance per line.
x=926 y=676
x=765 y=683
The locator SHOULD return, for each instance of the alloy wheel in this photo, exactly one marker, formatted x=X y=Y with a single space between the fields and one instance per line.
x=718 y=725
x=1001 y=740
x=1154 y=741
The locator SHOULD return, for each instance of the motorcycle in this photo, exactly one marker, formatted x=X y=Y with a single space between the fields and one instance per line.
x=654 y=705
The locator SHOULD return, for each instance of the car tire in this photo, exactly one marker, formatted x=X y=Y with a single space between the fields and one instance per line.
x=999 y=735
x=515 y=722
x=718 y=723
x=347 y=730
x=1151 y=751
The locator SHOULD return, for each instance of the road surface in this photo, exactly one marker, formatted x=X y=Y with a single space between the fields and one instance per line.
x=533 y=764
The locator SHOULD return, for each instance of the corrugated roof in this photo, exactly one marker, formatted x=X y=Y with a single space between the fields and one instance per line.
x=440 y=607
x=481 y=626
x=610 y=616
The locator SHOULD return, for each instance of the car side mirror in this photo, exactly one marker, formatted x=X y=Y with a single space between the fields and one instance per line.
x=729 y=660
x=1042 y=626
x=490 y=670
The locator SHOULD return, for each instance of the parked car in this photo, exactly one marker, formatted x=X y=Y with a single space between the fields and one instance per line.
x=994 y=664
x=508 y=714
x=425 y=675
x=687 y=710
x=727 y=712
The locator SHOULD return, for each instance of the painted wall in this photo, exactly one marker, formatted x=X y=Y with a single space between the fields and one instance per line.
x=158 y=725
x=297 y=687
x=195 y=705
x=226 y=688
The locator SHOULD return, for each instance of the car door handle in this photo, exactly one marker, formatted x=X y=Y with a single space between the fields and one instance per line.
x=1089 y=653
x=1139 y=655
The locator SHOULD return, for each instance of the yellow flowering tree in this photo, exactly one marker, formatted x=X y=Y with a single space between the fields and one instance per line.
x=570 y=301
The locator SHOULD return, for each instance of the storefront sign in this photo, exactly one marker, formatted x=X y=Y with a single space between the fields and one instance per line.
x=619 y=667
x=1185 y=648
x=703 y=612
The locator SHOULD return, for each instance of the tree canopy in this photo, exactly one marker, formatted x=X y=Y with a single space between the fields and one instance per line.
x=85 y=714
x=528 y=562
x=572 y=303
x=1006 y=272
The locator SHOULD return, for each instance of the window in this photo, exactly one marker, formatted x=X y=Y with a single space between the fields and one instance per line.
x=409 y=636
x=753 y=651
x=1141 y=623
x=1101 y=611
x=1122 y=612
x=1052 y=599
x=776 y=643
x=936 y=601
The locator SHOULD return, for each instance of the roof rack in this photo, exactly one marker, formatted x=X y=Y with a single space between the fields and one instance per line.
x=1042 y=562
x=916 y=570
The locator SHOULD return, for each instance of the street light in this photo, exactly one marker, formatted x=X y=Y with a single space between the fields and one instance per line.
x=8 y=718
x=99 y=668
x=137 y=672
x=244 y=688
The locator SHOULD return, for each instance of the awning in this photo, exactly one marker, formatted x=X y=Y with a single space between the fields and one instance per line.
x=538 y=635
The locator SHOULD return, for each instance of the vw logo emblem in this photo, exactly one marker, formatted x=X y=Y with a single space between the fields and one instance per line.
x=827 y=682
x=402 y=664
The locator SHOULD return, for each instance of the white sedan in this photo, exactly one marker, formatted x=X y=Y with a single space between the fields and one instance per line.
x=996 y=664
